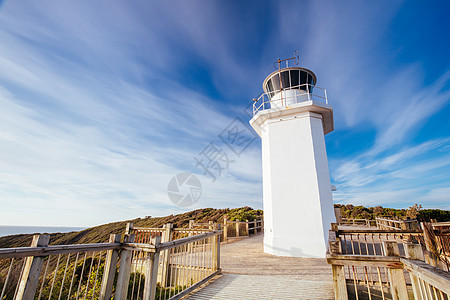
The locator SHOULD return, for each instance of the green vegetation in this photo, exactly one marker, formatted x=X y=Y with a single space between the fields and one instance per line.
x=360 y=212
x=244 y=213
x=439 y=215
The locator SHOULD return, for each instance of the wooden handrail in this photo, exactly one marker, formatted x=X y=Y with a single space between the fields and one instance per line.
x=364 y=260
x=139 y=247
x=64 y=249
x=57 y=249
x=440 y=224
x=434 y=276
x=148 y=228
x=186 y=240
x=396 y=221
x=191 y=229
x=348 y=231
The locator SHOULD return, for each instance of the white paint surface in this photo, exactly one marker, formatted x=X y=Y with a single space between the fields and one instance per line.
x=298 y=207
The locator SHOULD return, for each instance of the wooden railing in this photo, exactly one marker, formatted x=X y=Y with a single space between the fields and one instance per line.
x=441 y=225
x=122 y=270
x=372 y=264
x=383 y=223
x=233 y=229
x=364 y=222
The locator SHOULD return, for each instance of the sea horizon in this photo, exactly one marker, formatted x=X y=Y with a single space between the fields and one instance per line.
x=6 y=230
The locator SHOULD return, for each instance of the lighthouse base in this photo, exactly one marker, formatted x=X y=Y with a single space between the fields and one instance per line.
x=301 y=246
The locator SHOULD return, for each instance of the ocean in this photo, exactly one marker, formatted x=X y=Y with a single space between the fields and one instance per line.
x=10 y=230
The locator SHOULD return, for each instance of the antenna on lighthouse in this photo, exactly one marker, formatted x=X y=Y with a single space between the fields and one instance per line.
x=279 y=61
x=295 y=58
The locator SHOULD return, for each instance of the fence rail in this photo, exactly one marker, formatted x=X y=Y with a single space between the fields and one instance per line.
x=123 y=270
x=389 y=264
x=383 y=223
x=364 y=222
x=232 y=229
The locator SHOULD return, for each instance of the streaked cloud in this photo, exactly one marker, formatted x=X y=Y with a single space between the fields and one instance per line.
x=103 y=102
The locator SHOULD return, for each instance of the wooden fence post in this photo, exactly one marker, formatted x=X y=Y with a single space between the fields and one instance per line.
x=191 y=224
x=225 y=228
x=403 y=225
x=216 y=250
x=124 y=269
x=129 y=228
x=109 y=271
x=33 y=265
x=151 y=273
x=396 y=277
x=237 y=228
x=430 y=244
x=167 y=235
x=339 y=282
x=414 y=251
x=247 y=228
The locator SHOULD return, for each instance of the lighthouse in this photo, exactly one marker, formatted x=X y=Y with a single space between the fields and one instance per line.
x=291 y=117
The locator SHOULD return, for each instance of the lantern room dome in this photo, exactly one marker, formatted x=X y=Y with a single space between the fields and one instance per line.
x=289 y=78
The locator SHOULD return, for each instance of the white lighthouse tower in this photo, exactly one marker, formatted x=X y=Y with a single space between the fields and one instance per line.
x=291 y=117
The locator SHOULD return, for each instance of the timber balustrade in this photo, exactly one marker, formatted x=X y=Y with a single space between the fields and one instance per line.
x=124 y=268
x=363 y=222
x=383 y=223
x=230 y=229
x=233 y=229
x=390 y=264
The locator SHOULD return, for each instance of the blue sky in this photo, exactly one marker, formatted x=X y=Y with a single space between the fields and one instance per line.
x=103 y=102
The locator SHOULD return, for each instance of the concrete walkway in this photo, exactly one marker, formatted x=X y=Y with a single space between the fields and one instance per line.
x=249 y=273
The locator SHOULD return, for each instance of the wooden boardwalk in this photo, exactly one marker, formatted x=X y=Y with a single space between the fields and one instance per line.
x=249 y=273
x=235 y=286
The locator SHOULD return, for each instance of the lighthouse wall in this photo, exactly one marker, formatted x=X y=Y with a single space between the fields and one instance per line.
x=298 y=208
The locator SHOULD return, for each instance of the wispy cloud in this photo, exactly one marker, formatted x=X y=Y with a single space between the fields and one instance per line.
x=370 y=90
x=402 y=178
x=102 y=103
x=80 y=137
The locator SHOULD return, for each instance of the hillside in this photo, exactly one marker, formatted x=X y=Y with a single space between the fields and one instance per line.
x=100 y=234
